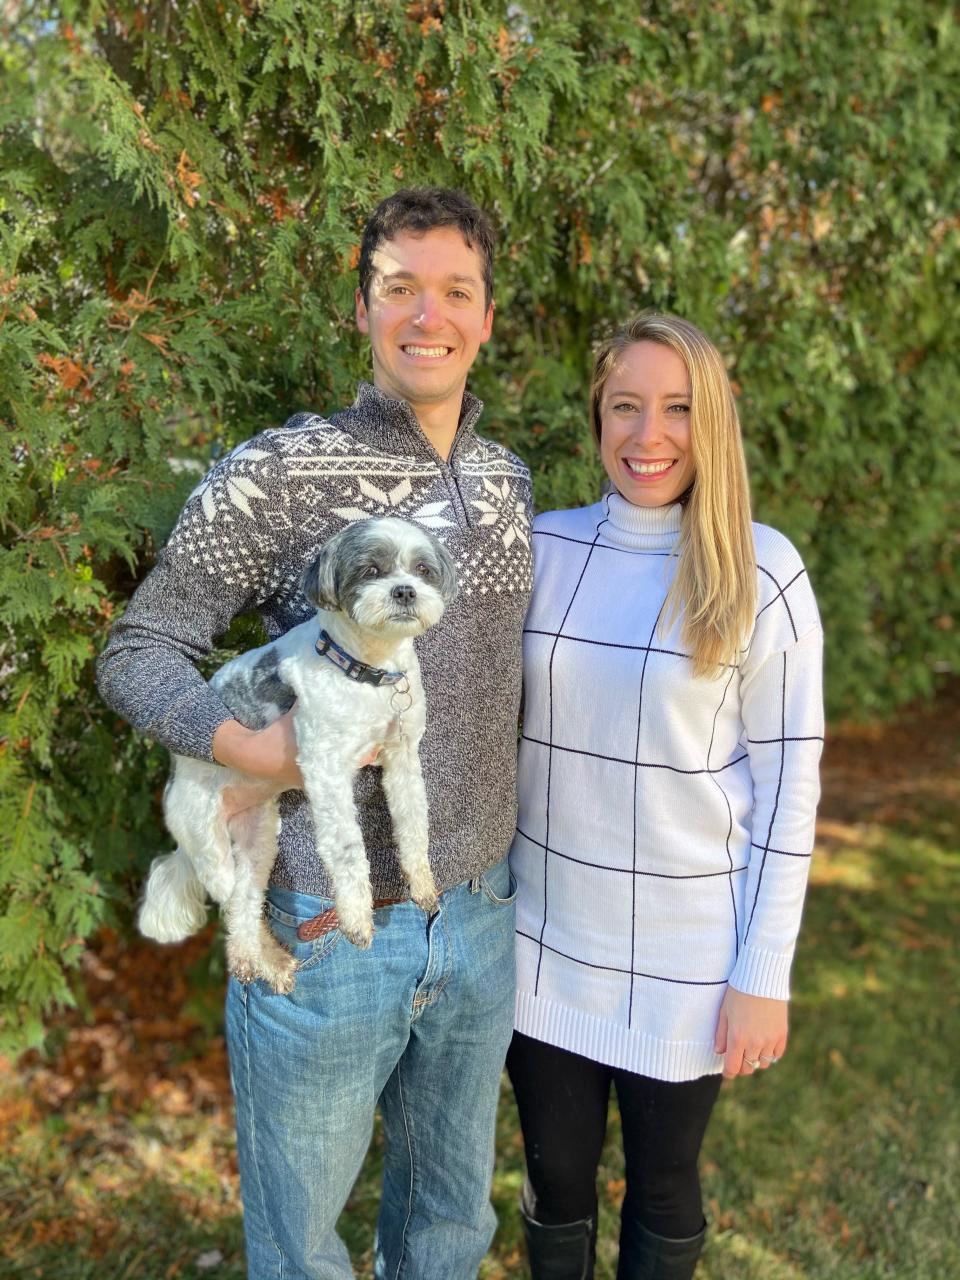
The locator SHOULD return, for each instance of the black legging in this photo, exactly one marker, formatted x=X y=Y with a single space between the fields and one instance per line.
x=562 y=1098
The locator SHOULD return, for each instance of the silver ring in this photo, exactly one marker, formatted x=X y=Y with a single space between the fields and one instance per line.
x=752 y=1062
x=767 y=1058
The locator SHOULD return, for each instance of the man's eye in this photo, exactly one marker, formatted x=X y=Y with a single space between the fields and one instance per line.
x=371 y=571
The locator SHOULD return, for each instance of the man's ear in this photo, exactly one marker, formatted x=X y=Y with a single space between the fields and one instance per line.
x=361 y=312
x=487 y=329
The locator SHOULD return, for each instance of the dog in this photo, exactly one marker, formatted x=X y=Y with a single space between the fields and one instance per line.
x=352 y=678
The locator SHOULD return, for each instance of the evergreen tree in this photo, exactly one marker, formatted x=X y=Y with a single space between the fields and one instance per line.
x=182 y=193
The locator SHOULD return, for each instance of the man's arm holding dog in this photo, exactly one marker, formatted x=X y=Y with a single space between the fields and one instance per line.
x=269 y=753
x=217 y=564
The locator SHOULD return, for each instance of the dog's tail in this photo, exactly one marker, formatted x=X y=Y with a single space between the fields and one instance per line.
x=174 y=902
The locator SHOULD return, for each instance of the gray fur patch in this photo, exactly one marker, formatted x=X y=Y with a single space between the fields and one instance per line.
x=361 y=553
x=256 y=695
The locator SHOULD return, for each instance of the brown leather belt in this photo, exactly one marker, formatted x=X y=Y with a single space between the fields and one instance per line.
x=328 y=920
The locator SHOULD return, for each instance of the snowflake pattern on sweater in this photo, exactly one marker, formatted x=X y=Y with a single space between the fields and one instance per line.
x=246 y=534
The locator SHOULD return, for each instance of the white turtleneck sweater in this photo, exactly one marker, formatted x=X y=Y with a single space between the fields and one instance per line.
x=665 y=822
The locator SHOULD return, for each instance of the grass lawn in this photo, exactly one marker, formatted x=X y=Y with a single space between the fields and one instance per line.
x=117 y=1155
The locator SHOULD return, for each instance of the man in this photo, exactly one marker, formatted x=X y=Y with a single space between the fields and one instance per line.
x=421 y=1021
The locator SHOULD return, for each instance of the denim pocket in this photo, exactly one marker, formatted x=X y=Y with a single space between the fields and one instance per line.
x=498 y=881
x=284 y=928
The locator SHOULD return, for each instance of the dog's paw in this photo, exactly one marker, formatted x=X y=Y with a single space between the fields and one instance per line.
x=360 y=937
x=429 y=902
x=274 y=963
x=281 y=975
x=423 y=891
x=355 y=914
x=243 y=968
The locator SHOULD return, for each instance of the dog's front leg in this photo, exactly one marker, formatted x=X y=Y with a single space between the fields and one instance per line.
x=328 y=782
x=407 y=800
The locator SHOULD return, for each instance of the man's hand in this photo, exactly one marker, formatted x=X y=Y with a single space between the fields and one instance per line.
x=269 y=753
x=750 y=1030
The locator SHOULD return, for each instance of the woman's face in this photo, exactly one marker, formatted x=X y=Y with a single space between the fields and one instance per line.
x=645 y=425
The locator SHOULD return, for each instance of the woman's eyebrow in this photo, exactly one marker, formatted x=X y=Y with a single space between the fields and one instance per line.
x=664 y=395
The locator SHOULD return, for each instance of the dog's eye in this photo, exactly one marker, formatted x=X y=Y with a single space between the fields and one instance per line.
x=424 y=570
x=371 y=571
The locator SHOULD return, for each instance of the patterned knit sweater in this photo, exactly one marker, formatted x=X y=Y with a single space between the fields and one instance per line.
x=665 y=822
x=242 y=542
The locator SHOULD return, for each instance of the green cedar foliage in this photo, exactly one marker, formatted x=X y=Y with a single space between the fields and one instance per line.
x=182 y=189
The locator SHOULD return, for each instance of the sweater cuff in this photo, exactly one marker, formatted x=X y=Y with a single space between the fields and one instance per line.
x=763 y=973
x=193 y=735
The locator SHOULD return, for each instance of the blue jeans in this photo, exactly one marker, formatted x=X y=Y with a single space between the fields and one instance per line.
x=419 y=1023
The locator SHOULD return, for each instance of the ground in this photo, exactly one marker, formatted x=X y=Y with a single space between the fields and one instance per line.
x=117 y=1155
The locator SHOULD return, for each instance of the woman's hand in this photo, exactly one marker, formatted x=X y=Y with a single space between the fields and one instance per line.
x=751 y=1032
x=270 y=753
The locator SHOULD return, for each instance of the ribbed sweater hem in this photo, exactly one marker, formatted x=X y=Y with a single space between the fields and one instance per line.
x=612 y=1044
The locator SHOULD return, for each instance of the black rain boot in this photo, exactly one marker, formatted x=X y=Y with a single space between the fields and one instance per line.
x=645 y=1256
x=564 y=1252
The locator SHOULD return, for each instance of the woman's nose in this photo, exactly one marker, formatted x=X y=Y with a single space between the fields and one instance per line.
x=647 y=427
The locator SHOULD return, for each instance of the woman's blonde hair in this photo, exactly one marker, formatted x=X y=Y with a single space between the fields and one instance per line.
x=714 y=590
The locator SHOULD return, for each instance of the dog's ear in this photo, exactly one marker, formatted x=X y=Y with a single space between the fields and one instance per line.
x=448 y=571
x=319 y=581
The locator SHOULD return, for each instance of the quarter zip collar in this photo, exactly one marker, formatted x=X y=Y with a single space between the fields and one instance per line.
x=391 y=426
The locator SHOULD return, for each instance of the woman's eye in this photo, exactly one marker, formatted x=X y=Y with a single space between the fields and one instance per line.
x=679 y=408
x=624 y=407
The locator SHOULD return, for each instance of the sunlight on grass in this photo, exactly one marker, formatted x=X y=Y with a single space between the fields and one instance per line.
x=117 y=1155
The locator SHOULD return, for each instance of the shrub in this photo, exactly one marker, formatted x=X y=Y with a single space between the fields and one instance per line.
x=183 y=193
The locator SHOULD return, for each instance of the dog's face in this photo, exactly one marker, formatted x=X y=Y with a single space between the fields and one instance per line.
x=386 y=575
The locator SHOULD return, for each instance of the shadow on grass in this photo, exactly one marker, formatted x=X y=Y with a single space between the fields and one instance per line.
x=90 y=1224
x=117 y=1155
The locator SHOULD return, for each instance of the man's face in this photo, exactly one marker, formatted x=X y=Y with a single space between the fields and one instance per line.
x=426 y=317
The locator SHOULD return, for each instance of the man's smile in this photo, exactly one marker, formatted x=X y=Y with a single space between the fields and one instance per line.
x=430 y=353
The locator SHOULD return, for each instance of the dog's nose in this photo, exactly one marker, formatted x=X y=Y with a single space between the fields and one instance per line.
x=404 y=593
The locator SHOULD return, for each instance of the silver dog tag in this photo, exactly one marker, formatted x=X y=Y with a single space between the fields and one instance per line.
x=401 y=700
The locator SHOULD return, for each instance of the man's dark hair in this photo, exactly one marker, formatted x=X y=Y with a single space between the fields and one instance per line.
x=420 y=209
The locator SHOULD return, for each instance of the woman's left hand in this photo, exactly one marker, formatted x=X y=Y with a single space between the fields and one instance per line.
x=751 y=1032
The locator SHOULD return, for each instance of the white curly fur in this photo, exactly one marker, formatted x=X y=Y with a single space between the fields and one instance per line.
x=377 y=585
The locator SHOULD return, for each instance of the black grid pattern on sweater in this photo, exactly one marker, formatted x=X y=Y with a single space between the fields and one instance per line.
x=549 y=851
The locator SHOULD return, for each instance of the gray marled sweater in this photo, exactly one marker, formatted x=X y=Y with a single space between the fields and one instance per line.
x=242 y=542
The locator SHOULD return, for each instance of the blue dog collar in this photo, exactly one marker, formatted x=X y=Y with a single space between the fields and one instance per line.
x=352 y=667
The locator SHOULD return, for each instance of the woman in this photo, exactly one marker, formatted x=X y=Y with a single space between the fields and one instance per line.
x=668 y=782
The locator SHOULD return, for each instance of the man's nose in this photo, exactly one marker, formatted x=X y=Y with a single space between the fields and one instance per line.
x=430 y=313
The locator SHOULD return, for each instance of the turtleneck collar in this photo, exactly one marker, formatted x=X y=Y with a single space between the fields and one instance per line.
x=391 y=426
x=641 y=528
